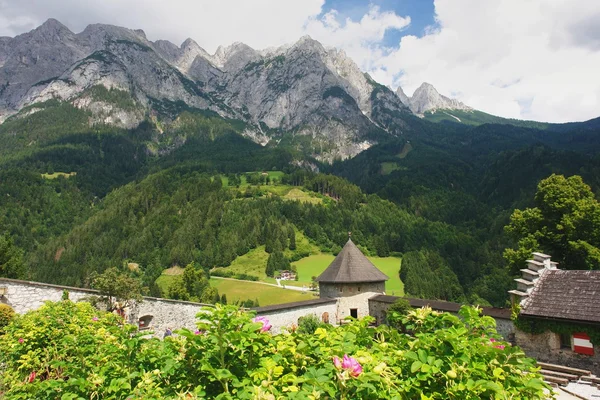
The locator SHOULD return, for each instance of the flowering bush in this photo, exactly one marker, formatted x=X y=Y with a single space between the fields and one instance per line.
x=6 y=315
x=65 y=354
x=266 y=325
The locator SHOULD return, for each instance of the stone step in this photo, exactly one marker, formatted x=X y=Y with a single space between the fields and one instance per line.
x=566 y=370
x=527 y=273
x=524 y=285
x=540 y=257
x=592 y=379
x=547 y=372
x=558 y=381
x=535 y=265
x=524 y=282
x=518 y=293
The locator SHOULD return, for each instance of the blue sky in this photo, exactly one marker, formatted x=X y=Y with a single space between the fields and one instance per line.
x=421 y=13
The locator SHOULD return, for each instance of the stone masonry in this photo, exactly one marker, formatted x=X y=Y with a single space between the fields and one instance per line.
x=159 y=314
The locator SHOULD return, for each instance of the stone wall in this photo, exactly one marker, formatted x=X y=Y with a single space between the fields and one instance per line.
x=379 y=305
x=166 y=313
x=285 y=315
x=351 y=295
x=545 y=347
x=378 y=309
x=25 y=296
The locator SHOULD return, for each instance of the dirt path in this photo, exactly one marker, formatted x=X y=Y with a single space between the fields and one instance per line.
x=289 y=287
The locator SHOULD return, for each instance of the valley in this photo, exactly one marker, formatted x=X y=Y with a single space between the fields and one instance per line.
x=166 y=208
x=246 y=162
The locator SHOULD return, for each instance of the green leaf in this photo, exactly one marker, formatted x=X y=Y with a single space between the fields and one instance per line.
x=415 y=366
x=422 y=355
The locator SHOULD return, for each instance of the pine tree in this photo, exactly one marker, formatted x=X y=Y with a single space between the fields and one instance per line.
x=270 y=270
x=292 y=237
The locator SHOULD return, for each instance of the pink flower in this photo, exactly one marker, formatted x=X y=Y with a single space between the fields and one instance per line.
x=21 y=340
x=498 y=346
x=31 y=377
x=95 y=319
x=198 y=332
x=266 y=325
x=337 y=362
x=350 y=364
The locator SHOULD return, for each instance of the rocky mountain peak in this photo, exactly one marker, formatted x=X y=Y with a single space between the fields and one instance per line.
x=402 y=96
x=234 y=56
x=141 y=33
x=52 y=30
x=188 y=51
x=96 y=35
x=307 y=43
x=427 y=98
x=190 y=44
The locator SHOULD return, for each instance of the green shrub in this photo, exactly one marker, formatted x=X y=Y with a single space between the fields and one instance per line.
x=6 y=315
x=309 y=324
x=66 y=350
x=397 y=312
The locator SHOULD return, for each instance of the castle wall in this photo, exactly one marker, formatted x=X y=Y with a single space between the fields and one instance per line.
x=545 y=347
x=351 y=296
x=285 y=315
x=25 y=296
x=379 y=305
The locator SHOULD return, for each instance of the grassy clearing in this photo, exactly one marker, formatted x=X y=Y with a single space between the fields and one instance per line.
x=266 y=295
x=272 y=174
x=302 y=196
x=388 y=167
x=57 y=174
x=405 y=150
x=314 y=265
x=391 y=267
x=164 y=281
x=173 y=271
x=243 y=290
x=255 y=261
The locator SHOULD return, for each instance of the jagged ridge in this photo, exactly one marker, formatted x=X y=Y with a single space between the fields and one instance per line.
x=301 y=90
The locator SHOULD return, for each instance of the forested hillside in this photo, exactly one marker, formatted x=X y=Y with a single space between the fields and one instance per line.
x=78 y=199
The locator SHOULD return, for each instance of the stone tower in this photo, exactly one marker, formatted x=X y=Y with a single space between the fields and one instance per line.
x=351 y=279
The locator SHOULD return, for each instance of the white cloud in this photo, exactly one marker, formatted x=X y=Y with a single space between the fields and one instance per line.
x=258 y=23
x=534 y=59
x=360 y=39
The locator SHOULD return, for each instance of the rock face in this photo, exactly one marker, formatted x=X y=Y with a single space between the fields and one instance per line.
x=294 y=91
x=426 y=98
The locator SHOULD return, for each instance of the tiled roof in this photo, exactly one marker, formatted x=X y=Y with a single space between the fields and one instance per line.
x=564 y=294
x=439 y=305
x=351 y=266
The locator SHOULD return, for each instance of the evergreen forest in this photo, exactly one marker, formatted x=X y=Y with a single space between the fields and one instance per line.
x=76 y=200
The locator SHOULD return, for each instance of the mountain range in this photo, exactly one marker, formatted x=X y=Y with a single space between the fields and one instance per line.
x=313 y=97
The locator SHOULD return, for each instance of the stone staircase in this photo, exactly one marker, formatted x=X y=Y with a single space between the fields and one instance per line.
x=530 y=275
x=561 y=375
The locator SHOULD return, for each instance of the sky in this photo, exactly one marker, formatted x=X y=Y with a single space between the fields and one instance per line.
x=526 y=59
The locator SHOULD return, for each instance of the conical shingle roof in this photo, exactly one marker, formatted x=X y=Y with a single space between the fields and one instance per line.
x=351 y=266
